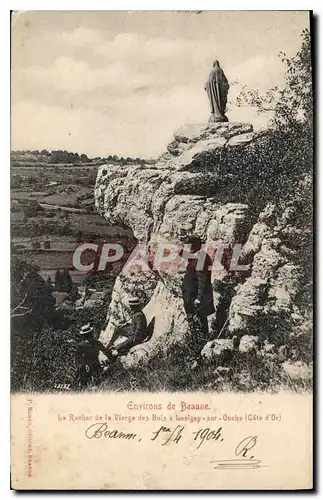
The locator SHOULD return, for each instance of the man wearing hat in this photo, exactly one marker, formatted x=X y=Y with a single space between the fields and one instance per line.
x=197 y=293
x=135 y=330
x=87 y=357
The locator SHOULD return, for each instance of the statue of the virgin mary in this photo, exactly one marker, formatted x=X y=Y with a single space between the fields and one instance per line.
x=217 y=87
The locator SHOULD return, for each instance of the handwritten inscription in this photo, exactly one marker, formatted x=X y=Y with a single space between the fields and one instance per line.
x=244 y=454
x=243 y=449
x=168 y=435
x=207 y=434
x=245 y=446
x=99 y=430
x=236 y=464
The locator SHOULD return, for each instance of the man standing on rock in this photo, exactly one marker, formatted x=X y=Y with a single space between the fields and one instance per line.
x=197 y=294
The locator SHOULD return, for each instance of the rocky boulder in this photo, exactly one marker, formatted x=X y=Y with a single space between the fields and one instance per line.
x=298 y=370
x=249 y=344
x=219 y=351
x=217 y=181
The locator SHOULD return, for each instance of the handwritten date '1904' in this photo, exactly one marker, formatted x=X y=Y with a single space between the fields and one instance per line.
x=244 y=451
x=167 y=435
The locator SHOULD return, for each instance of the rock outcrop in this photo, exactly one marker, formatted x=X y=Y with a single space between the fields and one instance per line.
x=217 y=181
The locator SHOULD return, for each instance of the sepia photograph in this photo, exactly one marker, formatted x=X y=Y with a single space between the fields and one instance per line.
x=161 y=211
x=162 y=238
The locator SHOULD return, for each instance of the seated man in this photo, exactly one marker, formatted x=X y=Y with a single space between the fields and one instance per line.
x=88 y=368
x=135 y=330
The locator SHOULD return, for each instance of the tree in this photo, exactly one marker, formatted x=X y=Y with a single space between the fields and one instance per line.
x=290 y=148
x=292 y=106
x=79 y=236
x=16 y=181
x=288 y=152
x=67 y=284
x=84 y=158
x=58 y=280
x=46 y=244
x=63 y=281
x=31 y=297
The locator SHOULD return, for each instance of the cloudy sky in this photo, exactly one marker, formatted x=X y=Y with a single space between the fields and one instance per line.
x=100 y=82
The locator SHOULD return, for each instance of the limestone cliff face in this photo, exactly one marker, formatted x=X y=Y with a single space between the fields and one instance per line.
x=217 y=181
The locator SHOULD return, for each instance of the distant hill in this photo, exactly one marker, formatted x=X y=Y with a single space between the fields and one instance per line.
x=44 y=157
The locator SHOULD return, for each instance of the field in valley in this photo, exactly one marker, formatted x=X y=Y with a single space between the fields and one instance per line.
x=52 y=211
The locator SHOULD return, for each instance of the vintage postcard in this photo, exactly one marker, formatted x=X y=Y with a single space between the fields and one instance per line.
x=161 y=250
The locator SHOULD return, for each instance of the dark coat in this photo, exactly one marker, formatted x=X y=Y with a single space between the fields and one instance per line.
x=87 y=352
x=139 y=326
x=197 y=285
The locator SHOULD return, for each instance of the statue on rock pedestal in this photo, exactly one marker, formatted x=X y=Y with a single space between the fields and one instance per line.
x=217 y=87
